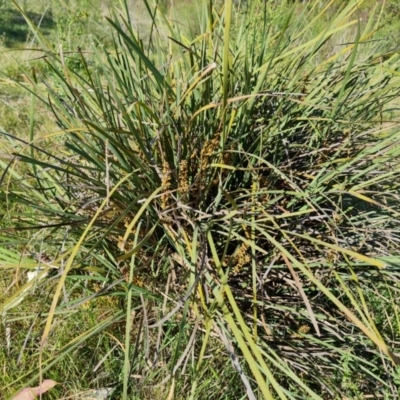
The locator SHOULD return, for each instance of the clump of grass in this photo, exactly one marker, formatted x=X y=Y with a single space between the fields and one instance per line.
x=237 y=197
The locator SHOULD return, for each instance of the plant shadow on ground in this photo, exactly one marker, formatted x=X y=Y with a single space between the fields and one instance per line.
x=14 y=30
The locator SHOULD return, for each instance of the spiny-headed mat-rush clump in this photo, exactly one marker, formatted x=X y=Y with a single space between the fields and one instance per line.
x=237 y=190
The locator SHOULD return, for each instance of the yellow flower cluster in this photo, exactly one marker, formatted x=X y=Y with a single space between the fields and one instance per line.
x=207 y=151
x=239 y=259
x=183 y=177
x=303 y=329
x=166 y=184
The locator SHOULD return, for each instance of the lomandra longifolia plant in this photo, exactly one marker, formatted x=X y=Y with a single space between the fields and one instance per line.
x=242 y=182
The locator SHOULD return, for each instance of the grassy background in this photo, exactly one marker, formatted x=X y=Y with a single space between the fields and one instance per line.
x=96 y=363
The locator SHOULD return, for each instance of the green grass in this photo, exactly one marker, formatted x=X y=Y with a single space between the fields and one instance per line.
x=216 y=205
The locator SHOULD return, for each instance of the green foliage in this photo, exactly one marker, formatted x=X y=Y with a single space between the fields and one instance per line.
x=14 y=31
x=234 y=191
x=70 y=24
